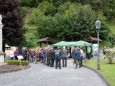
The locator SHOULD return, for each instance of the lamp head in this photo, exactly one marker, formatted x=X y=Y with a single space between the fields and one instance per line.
x=98 y=24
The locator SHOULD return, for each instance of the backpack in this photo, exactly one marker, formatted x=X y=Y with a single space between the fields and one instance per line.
x=57 y=52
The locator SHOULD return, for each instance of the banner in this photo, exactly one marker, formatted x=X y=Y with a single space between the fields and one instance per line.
x=95 y=50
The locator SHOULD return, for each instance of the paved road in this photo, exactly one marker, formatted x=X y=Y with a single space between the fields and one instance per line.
x=41 y=75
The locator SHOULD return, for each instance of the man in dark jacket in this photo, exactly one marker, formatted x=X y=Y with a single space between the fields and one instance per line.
x=52 y=57
x=77 y=56
x=58 y=58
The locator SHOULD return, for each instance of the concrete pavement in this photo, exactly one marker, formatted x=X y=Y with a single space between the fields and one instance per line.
x=41 y=75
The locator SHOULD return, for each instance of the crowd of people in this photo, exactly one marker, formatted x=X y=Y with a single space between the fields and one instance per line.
x=52 y=56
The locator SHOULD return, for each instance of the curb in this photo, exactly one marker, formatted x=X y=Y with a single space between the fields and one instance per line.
x=101 y=76
x=14 y=70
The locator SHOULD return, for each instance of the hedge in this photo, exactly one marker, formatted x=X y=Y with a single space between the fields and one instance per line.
x=17 y=62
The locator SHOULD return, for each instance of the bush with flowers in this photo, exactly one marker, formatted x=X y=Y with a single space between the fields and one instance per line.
x=110 y=54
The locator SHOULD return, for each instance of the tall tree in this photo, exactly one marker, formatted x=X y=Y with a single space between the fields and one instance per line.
x=12 y=22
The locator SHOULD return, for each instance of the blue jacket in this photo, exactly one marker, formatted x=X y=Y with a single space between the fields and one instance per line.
x=77 y=54
x=44 y=53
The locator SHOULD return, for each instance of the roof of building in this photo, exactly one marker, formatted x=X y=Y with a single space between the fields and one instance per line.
x=92 y=39
x=46 y=40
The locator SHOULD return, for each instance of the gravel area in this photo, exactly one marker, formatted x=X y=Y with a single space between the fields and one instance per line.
x=41 y=75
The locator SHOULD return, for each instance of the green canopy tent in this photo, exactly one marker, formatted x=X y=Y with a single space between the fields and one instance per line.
x=72 y=43
x=76 y=43
x=83 y=43
x=61 y=43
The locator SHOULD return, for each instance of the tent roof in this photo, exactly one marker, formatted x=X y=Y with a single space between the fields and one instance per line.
x=76 y=43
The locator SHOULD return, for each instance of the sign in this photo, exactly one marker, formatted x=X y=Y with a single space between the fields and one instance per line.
x=20 y=57
x=95 y=50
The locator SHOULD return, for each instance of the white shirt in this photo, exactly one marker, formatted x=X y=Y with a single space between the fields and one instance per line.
x=11 y=53
x=82 y=53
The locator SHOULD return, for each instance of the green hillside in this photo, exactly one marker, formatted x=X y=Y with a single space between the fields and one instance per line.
x=67 y=20
x=112 y=28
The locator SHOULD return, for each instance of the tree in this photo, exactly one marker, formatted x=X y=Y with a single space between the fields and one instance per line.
x=69 y=22
x=30 y=3
x=112 y=39
x=12 y=22
x=83 y=22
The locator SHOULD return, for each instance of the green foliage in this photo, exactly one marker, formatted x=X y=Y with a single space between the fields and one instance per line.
x=47 y=8
x=83 y=22
x=29 y=3
x=17 y=62
x=112 y=28
x=110 y=53
x=31 y=36
x=105 y=6
x=13 y=62
x=24 y=63
x=12 y=20
x=112 y=39
x=69 y=21
x=104 y=31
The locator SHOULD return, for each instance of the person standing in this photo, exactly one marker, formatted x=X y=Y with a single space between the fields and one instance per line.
x=36 y=55
x=16 y=53
x=12 y=54
x=41 y=55
x=82 y=56
x=52 y=57
x=58 y=58
x=44 y=56
x=26 y=54
x=64 y=57
x=77 y=56
x=73 y=51
x=48 y=57
x=23 y=53
x=31 y=52
x=88 y=52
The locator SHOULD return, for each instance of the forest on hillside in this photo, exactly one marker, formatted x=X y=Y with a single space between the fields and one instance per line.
x=68 y=20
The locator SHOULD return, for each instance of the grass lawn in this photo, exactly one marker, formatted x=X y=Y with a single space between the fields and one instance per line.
x=107 y=70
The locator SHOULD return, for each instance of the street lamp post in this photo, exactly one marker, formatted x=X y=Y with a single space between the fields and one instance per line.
x=98 y=27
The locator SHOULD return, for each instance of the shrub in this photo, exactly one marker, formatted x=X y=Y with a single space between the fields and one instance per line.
x=110 y=54
x=25 y=63
x=17 y=62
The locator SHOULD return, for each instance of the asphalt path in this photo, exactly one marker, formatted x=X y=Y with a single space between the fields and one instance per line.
x=41 y=75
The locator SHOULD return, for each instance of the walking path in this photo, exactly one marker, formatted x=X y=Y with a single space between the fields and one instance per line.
x=41 y=75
